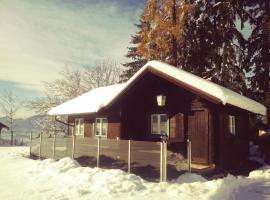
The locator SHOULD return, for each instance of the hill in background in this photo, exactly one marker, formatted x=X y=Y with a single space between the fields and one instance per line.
x=23 y=126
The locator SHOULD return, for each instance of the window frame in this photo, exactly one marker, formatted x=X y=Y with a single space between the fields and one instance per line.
x=158 y=124
x=100 y=127
x=80 y=125
x=232 y=125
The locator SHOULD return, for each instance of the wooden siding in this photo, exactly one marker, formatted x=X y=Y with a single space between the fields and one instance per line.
x=212 y=136
x=114 y=130
x=190 y=116
x=232 y=150
x=140 y=102
x=177 y=128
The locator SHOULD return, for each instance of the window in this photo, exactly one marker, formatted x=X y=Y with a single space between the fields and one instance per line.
x=101 y=127
x=79 y=126
x=159 y=124
x=232 y=124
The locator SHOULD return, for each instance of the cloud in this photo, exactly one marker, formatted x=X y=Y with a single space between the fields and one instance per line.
x=38 y=38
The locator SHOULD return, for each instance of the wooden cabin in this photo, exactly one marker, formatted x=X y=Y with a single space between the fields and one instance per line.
x=161 y=101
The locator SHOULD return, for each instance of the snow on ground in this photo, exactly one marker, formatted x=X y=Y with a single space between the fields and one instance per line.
x=23 y=178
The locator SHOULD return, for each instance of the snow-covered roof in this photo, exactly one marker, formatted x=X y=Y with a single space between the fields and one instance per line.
x=89 y=102
x=94 y=100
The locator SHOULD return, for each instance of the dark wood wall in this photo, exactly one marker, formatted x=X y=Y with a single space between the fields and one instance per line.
x=139 y=103
x=177 y=131
x=190 y=117
x=232 y=150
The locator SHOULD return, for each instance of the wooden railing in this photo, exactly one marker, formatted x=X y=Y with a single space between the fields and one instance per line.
x=140 y=157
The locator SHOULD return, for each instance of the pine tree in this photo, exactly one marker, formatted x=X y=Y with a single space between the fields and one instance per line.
x=212 y=47
x=195 y=50
x=200 y=37
x=228 y=46
x=259 y=50
x=137 y=61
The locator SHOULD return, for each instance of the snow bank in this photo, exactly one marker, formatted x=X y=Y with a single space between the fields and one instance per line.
x=262 y=173
x=81 y=182
x=190 y=178
x=67 y=180
x=11 y=151
x=255 y=186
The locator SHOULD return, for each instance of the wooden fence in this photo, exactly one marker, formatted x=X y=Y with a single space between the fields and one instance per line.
x=16 y=142
x=147 y=159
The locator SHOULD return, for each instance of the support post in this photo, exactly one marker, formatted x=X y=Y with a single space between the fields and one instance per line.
x=40 y=144
x=129 y=155
x=30 y=147
x=161 y=161
x=73 y=146
x=165 y=161
x=189 y=154
x=54 y=141
x=98 y=151
x=11 y=138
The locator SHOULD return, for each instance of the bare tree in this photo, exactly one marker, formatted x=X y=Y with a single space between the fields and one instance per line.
x=72 y=83
x=9 y=103
x=68 y=86
x=102 y=73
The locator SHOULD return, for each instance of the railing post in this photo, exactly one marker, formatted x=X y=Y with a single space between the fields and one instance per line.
x=40 y=144
x=30 y=147
x=129 y=155
x=11 y=138
x=73 y=146
x=161 y=161
x=98 y=151
x=54 y=141
x=165 y=161
x=189 y=154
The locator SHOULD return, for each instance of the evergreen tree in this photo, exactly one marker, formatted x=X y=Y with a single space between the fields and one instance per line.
x=205 y=38
x=259 y=49
x=137 y=61
x=219 y=45
x=195 y=50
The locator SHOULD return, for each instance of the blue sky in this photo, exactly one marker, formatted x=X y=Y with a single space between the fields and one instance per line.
x=38 y=38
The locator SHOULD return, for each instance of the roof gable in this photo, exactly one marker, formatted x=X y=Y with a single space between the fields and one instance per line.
x=98 y=98
x=198 y=85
